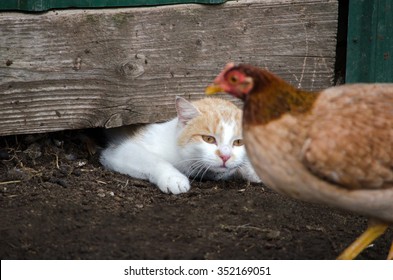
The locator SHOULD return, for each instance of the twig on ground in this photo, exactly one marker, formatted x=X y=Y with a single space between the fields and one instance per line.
x=10 y=182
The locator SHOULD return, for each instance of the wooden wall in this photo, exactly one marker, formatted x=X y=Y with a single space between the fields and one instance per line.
x=74 y=69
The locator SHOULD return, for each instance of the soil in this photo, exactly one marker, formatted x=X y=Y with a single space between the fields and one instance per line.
x=57 y=202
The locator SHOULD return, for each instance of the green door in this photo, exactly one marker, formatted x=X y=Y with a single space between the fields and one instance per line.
x=370 y=41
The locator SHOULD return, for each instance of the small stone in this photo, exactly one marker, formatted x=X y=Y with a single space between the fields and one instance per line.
x=58 y=143
x=81 y=163
x=101 y=192
x=70 y=157
x=273 y=234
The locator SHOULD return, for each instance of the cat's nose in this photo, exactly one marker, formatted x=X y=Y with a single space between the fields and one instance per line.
x=225 y=158
x=225 y=150
x=224 y=153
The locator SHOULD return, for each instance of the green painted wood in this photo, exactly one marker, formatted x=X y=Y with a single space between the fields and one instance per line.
x=44 y=5
x=370 y=41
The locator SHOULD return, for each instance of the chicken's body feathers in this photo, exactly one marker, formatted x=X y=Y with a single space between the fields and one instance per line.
x=336 y=154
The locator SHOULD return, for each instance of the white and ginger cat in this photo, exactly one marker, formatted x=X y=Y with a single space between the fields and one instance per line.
x=204 y=141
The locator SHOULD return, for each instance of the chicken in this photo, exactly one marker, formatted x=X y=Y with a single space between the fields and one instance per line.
x=333 y=146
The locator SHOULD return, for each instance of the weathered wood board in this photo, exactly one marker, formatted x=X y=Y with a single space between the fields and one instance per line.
x=75 y=69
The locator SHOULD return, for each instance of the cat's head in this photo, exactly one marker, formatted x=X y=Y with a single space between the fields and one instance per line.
x=210 y=137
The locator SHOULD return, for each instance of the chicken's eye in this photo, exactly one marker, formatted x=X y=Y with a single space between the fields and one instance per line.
x=238 y=142
x=233 y=79
x=209 y=139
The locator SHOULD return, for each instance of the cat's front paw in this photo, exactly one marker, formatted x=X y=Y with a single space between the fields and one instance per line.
x=249 y=174
x=253 y=178
x=174 y=184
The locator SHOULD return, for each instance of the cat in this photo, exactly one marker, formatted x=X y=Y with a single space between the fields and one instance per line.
x=204 y=141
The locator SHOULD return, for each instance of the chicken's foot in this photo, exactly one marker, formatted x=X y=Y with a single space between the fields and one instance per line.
x=373 y=231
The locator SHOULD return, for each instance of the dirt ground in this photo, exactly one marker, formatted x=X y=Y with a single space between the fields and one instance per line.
x=57 y=202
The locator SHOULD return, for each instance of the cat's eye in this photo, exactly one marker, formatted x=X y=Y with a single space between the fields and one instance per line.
x=209 y=139
x=238 y=142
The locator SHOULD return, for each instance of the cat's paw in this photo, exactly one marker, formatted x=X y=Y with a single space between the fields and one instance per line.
x=253 y=178
x=249 y=174
x=174 y=184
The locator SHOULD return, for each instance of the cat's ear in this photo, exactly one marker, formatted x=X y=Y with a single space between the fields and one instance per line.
x=185 y=110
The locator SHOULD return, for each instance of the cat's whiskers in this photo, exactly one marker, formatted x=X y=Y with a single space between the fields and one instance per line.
x=203 y=174
x=200 y=168
x=196 y=166
x=191 y=162
x=196 y=163
x=189 y=159
x=242 y=165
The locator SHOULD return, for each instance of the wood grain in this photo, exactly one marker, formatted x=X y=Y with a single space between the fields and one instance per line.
x=76 y=69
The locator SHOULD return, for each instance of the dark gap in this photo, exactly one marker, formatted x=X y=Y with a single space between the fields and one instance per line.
x=341 y=48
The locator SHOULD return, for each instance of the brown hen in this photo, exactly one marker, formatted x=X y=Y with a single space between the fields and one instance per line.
x=334 y=146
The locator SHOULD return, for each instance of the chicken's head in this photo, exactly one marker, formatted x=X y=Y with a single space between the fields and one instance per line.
x=233 y=80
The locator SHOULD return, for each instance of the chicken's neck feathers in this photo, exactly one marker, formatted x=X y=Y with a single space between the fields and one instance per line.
x=271 y=98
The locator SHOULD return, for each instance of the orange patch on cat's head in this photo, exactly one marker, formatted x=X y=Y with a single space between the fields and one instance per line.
x=214 y=111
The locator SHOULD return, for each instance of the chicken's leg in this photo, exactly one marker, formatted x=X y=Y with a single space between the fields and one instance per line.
x=374 y=230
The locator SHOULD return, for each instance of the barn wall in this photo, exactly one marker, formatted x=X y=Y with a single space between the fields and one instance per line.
x=74 y=69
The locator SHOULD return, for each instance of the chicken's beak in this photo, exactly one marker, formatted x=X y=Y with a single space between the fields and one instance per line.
x=215 y=86
x=213 y=89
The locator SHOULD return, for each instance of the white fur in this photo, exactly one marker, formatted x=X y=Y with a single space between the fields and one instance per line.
x=154 y=155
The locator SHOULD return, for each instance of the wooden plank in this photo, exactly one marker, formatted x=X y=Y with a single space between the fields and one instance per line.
x=76 y=69
x=40 y=5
